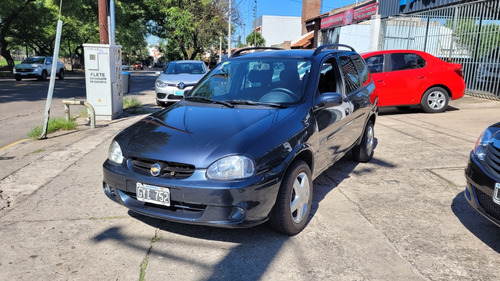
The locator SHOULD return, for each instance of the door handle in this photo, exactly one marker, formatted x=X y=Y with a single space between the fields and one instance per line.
x=379 y=81
x=421 y=77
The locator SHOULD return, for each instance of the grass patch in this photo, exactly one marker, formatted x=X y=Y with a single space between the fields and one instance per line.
x=131 y=103
x=55 y=124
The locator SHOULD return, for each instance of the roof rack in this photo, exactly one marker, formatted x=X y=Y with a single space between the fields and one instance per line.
x=240 y=51
x=327 y=46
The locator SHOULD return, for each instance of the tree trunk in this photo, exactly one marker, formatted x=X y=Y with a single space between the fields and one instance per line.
x=5 y=27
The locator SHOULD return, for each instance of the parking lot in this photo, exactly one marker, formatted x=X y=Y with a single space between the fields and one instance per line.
x=402 y=216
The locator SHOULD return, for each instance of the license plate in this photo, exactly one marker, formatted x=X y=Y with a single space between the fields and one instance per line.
x=179 y=93
x=153 y=194
x=496 y=194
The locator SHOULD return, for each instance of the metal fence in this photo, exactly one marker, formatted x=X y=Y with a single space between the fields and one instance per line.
x=466 y=33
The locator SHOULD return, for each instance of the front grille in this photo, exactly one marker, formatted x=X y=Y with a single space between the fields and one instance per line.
x=492 y=160
x=169 y=170
x=24 y=70
x=486 y=201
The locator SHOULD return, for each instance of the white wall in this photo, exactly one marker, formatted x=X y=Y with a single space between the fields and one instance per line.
x=278 y=29
x=358 y=36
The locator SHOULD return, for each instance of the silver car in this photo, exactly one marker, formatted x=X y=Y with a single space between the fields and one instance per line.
x=178 y=77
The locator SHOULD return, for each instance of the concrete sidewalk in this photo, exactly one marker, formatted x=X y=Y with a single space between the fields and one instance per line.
x=400 y=217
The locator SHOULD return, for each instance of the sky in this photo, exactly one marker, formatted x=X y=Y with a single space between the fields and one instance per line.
x=278 y=8
x=272 y=8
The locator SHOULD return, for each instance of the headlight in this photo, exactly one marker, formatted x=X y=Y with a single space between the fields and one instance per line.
x=115 y=153
x=231 y=168
x=482 y=143
x=161 y=84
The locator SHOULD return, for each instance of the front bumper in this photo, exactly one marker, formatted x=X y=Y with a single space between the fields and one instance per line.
x=480 y=190
x=196 y=200
x=28 y=73
x=170 y=93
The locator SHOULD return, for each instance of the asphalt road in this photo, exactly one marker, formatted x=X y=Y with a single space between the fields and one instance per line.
x=22 y=104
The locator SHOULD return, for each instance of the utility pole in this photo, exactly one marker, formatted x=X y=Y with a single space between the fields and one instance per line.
x=229 y=32
x=103 y=22
x=255 y=24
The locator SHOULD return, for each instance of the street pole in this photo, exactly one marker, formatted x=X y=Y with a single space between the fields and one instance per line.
x=103 y=22
x=229 y=33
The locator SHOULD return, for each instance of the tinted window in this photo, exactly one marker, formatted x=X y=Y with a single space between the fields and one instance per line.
x=185 y=67
x=350 y=74
x=375 y=63
x=327 y=79
x=404 y=61
x=361 y=68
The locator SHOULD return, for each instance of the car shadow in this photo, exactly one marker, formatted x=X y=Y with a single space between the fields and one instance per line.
x=389 y=110
x=478 y=225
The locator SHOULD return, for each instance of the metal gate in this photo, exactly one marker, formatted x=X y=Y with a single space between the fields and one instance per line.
x=464 y=33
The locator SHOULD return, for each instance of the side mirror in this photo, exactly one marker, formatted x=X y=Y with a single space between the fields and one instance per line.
x=328 y=99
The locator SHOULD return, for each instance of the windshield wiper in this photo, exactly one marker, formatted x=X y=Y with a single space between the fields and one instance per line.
x=249 y=102
x=204 y=99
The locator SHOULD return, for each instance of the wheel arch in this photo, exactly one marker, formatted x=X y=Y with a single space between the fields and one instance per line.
x=446 y=88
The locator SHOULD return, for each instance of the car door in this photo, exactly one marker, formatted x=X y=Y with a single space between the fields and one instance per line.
x=48 y=65
x=333 y=121
x=403 y=80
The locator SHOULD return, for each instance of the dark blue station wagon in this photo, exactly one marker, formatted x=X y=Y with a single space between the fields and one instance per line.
x=244 y=145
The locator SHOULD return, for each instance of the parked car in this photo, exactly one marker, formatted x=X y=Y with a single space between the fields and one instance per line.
x=125 y=66
x=488 y=70
x=39 y=67
x=245 y=144
x=138 y=65
x=409 y=77
x=178 y=77
x=483 y=175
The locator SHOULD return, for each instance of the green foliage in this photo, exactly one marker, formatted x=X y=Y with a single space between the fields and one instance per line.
x=255 y=39
x=131 y=103
x=467 y=32
x=55 y=124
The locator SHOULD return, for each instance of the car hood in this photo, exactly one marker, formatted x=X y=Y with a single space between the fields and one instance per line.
x=177 y=78
x=198 y=135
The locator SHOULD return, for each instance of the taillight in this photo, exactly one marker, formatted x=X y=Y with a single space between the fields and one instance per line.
x=459 y=72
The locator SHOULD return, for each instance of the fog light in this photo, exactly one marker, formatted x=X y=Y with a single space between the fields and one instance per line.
x=237 y=213
x=109 y=190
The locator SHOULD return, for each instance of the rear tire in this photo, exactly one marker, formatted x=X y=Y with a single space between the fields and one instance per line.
x=363 y=152
x=293 y=205
x=435 y=100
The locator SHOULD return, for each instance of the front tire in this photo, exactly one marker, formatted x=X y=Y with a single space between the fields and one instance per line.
x=363 y=152
x=60 y=75
x=293 y=205
x=435 y=100
x=18 y=77
x=43 y=77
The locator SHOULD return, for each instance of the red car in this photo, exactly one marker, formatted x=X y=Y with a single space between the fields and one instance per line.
x=409 y=77
x=138 y=65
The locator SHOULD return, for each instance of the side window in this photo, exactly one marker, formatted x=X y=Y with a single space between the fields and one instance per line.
x=48 y=61
x=350 y=74
x=375 y=63
x=327 y=79
x=405 y=61
x=361 y=68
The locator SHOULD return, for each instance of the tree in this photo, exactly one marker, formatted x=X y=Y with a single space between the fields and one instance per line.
x=8 y=14
x=191 y=26
x=255 y=39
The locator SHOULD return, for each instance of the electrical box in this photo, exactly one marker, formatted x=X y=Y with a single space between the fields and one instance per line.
x=103 y=79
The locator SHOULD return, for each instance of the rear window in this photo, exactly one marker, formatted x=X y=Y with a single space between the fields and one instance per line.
x=405 y=61
x=351 y=78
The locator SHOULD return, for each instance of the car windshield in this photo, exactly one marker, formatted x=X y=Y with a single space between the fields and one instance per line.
x=185 y=68
x=33 y=60
x=273 y=81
